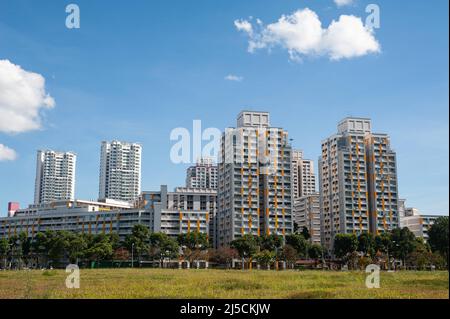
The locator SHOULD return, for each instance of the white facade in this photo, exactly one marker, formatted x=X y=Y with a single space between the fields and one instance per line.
x=303 y=176
x=55 y=176
x=416 y=222
x=255 y=187
x=182 y=211
x=77 y=216
x=120 y=171
x=172 y=213
x=202 y=175
x=307 y=214
x=358 y=182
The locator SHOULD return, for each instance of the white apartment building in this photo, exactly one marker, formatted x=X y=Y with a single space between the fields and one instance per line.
x=358 y=181
x=78 y=216
x=417 y=223
x=307 y=214
x=303 y=176
x=55 y=176
x=120 y=171
x=173 y=213
x=182 y=211
x=202 y=175
x=255 y=186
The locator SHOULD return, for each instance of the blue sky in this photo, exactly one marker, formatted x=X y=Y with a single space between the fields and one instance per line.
x=137 y=69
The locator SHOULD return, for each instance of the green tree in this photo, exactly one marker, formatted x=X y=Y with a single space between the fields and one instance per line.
x=58 y=244
x=99 y=248
x=246 y=246
x=403 y=243
x=383 y=242
x=271 y=242
x=265 y=257
x=295 y=228
x=40 y=247
x=366 y=244
x=114 y=239
x=289 y=254
x=305 y=233
x=383 y=246
x=77 y=247
x=299 y=243
x=137 y=241
x=223 y=255
x=20 y=246
x=345 y=245
x=194 y=240
x=438 y=237
x=316 y=252
x=4 y=251
x=163 y=246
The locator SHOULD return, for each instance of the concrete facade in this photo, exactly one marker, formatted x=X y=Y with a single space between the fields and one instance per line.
x=358 y=181
x=202 y=175
x=303 y=176
x=55 y=176
x=120 y=171
x=307 y=214
x=255 y=186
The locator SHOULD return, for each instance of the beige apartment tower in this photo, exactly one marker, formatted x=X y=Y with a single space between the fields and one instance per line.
x=303 y=176
x=55 y=176
x=120 y=171
x=358 y=181
x=255 y=187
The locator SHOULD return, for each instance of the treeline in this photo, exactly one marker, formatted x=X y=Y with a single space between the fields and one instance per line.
x=58 y=248
x=399 y=247
x=396 y=249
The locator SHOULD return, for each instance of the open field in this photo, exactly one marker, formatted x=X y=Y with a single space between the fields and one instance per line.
x=174 y=283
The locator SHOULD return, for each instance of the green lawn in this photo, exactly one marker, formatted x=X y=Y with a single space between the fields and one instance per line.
x=174 y=283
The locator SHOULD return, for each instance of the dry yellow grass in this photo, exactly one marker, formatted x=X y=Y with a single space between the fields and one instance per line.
x=174 y=283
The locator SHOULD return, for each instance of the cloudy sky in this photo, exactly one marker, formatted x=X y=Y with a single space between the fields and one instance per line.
x=135 y=70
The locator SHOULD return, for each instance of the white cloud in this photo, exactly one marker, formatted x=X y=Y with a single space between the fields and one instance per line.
x=301 y=34
x=236 y=78
x=7 y=154
x=341 y=3
x=243 y=25
x=22 y=97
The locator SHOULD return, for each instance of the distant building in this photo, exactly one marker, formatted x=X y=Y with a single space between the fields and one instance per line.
x=78 y=216
x=358 y=181
x=255 y=187
x=202 y=175
x=55 y=176
x=173 y=213
x=303 y=176
x=182 y=211
x=418 y=223
x=307 y=214
x=120 y=171
x=12 y=208
x=401 y=211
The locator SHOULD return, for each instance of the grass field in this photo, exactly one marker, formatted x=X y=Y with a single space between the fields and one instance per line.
x=162 y=283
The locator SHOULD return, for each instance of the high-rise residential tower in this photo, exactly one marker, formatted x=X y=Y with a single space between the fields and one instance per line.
x=307 y=214
x=202 y=175
x=55 y=176
x=120 y=171
x=255 y=187
x=358 y=181
x=304 y=178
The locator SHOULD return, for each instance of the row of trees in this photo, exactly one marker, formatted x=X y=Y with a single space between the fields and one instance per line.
x=270 y=249
x=397 y=245
x=53 y=247
x=50 y=248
